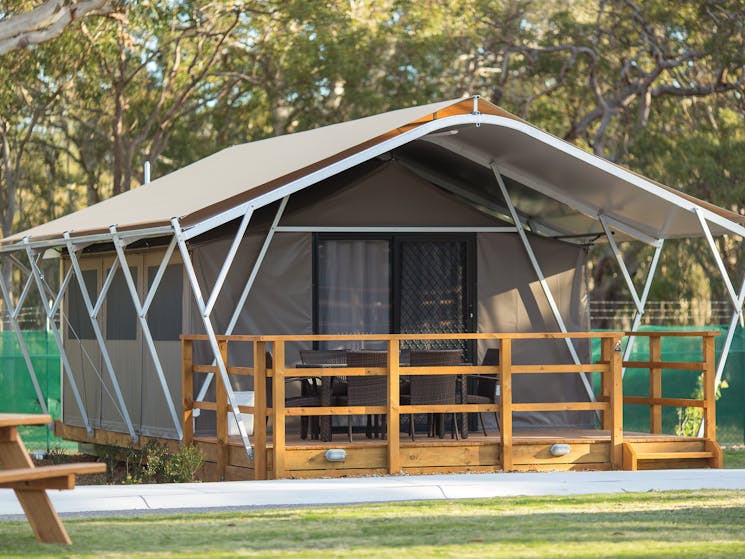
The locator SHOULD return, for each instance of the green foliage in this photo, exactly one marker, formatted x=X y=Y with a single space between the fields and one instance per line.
x=154 y=463
x=690 y=418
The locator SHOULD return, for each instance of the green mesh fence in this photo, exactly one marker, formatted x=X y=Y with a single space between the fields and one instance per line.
x=682 y=384
x=18 y=394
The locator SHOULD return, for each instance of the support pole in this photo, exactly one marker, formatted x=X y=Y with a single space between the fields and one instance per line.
x=13 y=315
x=221 y=365
x=542 y=280
x=246 y=289
x=50 y=310
x=737 y=302
x=93 y=315
x=639 y=302
x=142 y=318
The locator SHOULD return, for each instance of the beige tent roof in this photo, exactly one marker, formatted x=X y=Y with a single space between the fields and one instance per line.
x=209 y=187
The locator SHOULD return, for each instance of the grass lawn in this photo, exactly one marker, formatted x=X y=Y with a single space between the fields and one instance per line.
x=734 y=458
x=677 y=524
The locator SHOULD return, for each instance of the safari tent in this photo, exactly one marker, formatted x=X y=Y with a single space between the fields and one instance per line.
x=448 y=219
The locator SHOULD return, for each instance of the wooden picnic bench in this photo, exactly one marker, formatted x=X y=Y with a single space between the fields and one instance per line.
x=30 y=483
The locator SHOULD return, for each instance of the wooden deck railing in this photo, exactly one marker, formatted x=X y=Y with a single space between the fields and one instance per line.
x=655 y=365
x=609 y=404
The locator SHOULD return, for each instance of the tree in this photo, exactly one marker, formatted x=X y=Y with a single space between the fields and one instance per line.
x=45 y=22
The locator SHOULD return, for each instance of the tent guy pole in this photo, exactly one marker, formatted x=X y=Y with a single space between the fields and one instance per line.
x=145 y=327
x=542 y=280
x=51 y=311
x=246 y=289
x=93 y=316
x=639 y=302
x=207 y=321
x=13 y=312
x=737 y=302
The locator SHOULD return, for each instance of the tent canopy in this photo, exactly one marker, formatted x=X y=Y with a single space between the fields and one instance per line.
x=559 y=189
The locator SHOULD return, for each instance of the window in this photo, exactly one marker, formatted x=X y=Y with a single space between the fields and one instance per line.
x=79 y=323
x=121 y=315
x=165 y=314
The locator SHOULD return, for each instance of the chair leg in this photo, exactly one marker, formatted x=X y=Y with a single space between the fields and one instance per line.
x=455 y=427
x=411 y=426
x=304 y=427
x=440 y=420
x=349 y=427
x=483 y=425
x=368 y=428
x=499 y=429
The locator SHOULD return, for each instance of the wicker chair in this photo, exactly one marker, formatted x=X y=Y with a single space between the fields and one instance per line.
x=433 y=389
x=368 y=391
x=482 y=389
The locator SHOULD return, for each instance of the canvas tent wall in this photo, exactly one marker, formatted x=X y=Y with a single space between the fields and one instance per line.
x=471 y=148
x=378 y=194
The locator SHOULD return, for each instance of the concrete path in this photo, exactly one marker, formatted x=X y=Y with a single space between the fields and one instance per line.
x=130 y=499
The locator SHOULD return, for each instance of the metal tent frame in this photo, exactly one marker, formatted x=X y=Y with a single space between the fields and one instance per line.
x=180 y=236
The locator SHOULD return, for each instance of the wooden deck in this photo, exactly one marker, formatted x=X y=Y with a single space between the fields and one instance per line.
x=277 y=452
x=531 y=451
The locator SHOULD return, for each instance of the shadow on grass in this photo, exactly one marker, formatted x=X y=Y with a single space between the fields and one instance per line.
x=649 y=525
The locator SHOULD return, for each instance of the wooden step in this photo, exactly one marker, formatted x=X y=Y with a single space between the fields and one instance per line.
x=631 y=456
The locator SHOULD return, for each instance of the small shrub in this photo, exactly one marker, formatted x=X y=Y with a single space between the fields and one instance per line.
x=690 y=418
x=155 y=463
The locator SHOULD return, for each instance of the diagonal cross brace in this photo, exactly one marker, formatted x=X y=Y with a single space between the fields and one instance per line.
x=50 y=310
x=142 y=318
x=93 y=315
x=13 y=314
x=542 y=280
x=209 y=329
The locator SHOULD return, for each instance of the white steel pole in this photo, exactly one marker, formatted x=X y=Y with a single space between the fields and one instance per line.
x=13 y=315
x=66 y=367
x=542 y=280
x=93 y=315
x=221 y=365
x=246 y=290
x=142 y=318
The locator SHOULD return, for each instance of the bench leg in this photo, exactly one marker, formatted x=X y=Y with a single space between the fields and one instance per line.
x=42 y=517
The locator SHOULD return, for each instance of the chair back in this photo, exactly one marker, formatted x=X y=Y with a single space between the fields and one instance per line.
x=367 y=358
x=367 y=391
x=434 y=389
x=323 y=357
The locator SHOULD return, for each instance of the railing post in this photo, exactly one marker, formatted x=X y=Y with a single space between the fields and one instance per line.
x=616 y=404
x=278 y=411
x=260 y=405
x=505 y=404
x=655 y=385
x=221 y=410
x=606 y=381
x=394 y=435
x=187 y=390
x=709 y=415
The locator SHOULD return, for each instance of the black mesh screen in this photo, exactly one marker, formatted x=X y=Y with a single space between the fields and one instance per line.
x=80 y=326
x=432 y=292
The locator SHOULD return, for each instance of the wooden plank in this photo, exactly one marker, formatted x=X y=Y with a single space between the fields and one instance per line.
x=221 y=411
x=668 y=365
x=365 y=410
x=710 y=416
x=676 y=402
x=542 y=369
x=10 y=475
x=579 y=453
x=615 y=411
x=655 y=384
x=18 y=419
x=400 y=337
x=676 y=334
x=717 y=459
x=672 y=455
x=606 y=349
x=187 y=391
x=357 y=458
x=583 y=467
x=260 y=405
x=278 y=415
x=393 y=453
x=629 y=457
x=450 y=456
x=696 y=445
x=561 y=406
x=505 y=412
